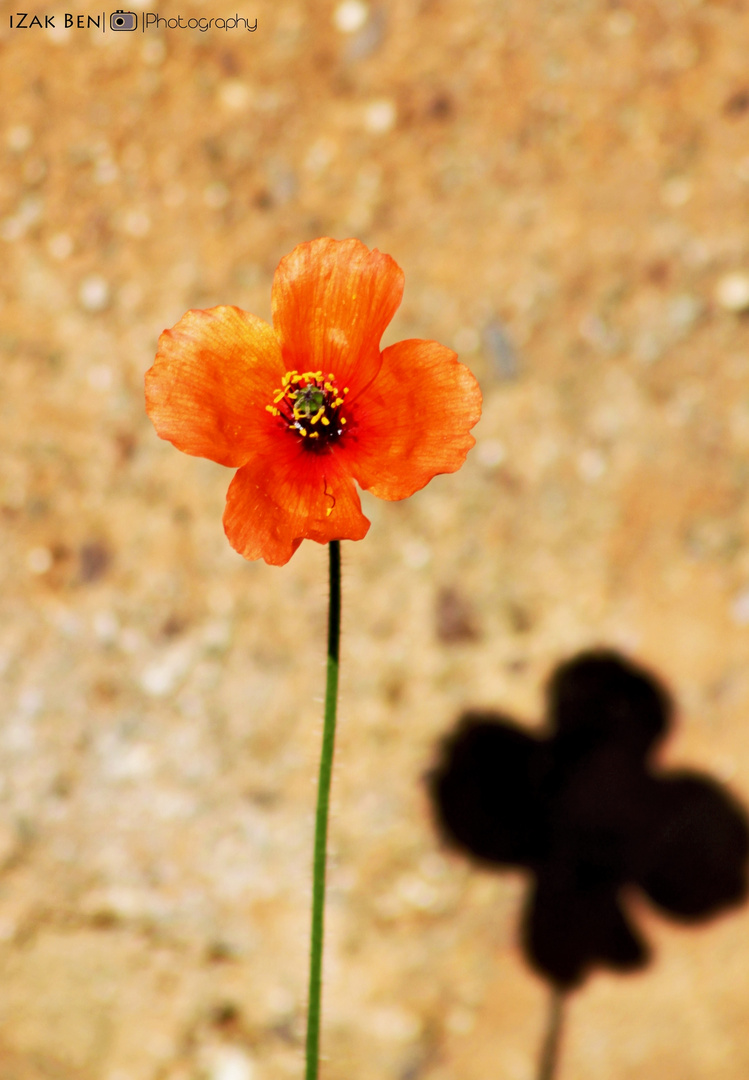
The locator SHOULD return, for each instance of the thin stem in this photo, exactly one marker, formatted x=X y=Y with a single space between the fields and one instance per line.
x=550 y=1050
x=321 y=819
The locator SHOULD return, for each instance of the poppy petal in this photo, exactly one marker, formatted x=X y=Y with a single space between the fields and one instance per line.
x=414 y=420
x=290 y=494
x=214 y=374
x=332 y=300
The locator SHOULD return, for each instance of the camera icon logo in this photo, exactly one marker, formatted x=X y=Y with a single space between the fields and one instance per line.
x=123 y=20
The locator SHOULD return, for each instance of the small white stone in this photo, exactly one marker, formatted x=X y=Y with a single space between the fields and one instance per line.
x=591 y=465
x=12 y=229
x=18 y=735
x=60 y=246
x=59 y=34
x=647 y=347
x=234 y=95
x=467 y=340
x=417 y=893
x=8 y=928
x=350 y=16
x=319 y=156
x=163 y=675
x=490 y=453
x=100 y=377
x=30 y=701
x=28 y=213
x=136 y=223
x=676 y=192
x=131 y=640
x=740 y=608
x=66 y=621
x=725 y=768
x=461 y=1020
x=416 y=554
x=230 y=1063
x=216 y=195
x=39 y=560
x=19 y=137
x=380 y=116
x=131 y=762
x=732 y=291
x=684 y=311
x=157 y=680
x=106 y=171
x=153 y=51
x=106 y=627
x=268 y=101
x=696 y=253
x=595 y=331
x=216 y=635
x=125 y=902
x=620 y=23
x=394 y=1024
x=93 y=293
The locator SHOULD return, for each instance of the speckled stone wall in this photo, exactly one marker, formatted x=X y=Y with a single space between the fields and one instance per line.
x=566 y=187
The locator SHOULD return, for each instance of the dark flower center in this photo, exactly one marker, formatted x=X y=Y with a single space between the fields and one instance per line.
x=309 y=405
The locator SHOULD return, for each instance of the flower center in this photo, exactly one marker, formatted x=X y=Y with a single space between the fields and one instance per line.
x=309 y=405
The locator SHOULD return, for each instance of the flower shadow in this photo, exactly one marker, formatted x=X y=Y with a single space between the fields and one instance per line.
x=586 y=809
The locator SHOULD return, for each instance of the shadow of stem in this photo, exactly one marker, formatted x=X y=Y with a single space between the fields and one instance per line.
x=549 y=1060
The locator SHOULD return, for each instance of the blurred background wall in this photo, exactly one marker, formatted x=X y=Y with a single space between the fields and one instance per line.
x=566 y=187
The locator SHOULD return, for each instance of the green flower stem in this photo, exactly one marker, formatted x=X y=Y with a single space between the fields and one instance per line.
x=321 y=819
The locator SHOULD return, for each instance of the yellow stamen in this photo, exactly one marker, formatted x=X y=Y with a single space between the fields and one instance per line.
x=329 y=511
x=343 y=421
x=299 y=391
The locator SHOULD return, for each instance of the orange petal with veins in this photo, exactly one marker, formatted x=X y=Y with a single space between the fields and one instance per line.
x=414 y=421
x=288 y=494
x=214 y=373
x=332 y=300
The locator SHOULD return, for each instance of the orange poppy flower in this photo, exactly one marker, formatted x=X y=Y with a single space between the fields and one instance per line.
x=306 y=407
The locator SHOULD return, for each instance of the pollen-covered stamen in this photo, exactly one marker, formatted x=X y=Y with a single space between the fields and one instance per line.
x=309 y=404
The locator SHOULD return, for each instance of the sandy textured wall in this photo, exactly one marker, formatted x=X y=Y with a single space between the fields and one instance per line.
x=573 y=176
